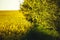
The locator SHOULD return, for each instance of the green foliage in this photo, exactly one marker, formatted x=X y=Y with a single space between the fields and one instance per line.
x=42 y=13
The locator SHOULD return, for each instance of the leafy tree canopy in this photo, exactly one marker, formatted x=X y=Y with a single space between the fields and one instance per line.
x=42 y=13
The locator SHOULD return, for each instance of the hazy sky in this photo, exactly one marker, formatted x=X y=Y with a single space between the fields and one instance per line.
x=10 y=4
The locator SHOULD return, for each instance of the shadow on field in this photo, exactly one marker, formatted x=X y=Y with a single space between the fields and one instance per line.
x=1 y=38
x=35 y=35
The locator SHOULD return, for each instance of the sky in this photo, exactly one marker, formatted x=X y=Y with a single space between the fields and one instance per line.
x=10 y=4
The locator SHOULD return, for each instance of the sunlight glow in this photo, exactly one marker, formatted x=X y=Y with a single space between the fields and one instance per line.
x=10 y=4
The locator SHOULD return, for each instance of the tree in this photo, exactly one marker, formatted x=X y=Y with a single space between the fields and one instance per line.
x=42 y=13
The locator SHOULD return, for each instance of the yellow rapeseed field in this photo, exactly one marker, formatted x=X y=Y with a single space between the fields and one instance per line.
x=13 y=22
